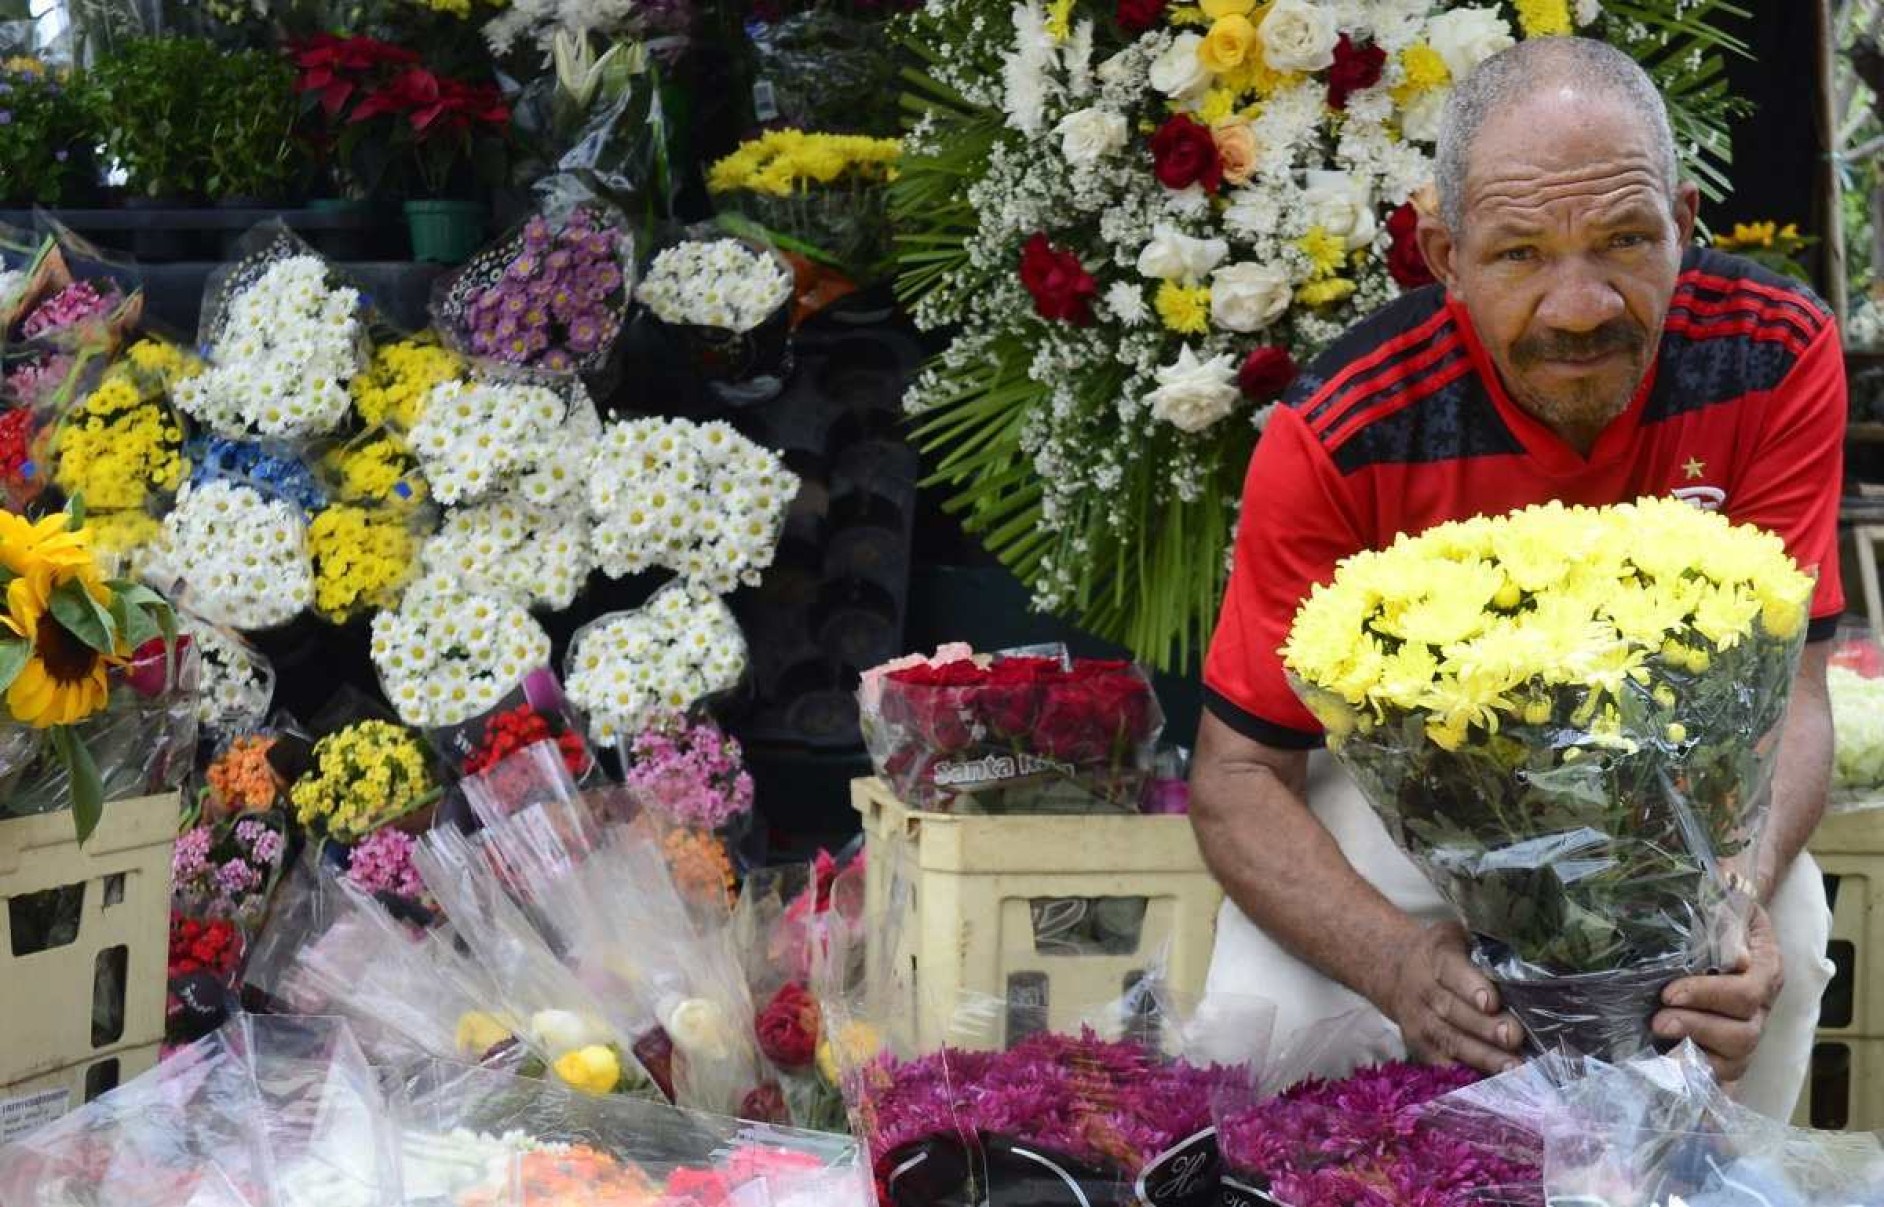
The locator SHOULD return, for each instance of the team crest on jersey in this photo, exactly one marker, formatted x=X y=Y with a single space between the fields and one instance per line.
x=1707 y=498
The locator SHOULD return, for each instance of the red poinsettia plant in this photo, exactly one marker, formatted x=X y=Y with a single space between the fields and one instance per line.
x=1015 y=735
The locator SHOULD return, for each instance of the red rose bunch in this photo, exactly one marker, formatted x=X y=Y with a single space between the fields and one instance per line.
x=213 y=946
x=1062 y=289
x=1184 y=153
x=1355 y=68
x=1137 y=16
x=788 y=1027
x=17 y=433
x=1266 y=373
x=508 y=732
x=1405 y=261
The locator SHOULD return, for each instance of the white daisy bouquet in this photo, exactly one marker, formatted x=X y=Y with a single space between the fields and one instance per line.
x=698 y=499
x=720 y=283
x=1136 y=219
x=241 y=557
x=235 y=683
x=516 y=550
x=283 y=340
x=447 y=654
x=475 y=437
x=627 y=670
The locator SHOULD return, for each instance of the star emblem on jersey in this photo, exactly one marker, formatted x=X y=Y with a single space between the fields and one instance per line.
x=1694 y=468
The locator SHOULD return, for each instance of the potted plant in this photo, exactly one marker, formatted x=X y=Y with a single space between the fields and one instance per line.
x=450 y=132
x=253 y=155
x=45 y=141
x=333 y=75
x=150 y=105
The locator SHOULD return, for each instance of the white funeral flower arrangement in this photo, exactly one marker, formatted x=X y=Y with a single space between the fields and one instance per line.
x=698 y=499
x=539 y=555
x=282 y=356
x=235 y=686
x=479 y=437
x=626 y=670
x=241 y=557
x=448 y=654
x=715 y=283
x=1137 y=222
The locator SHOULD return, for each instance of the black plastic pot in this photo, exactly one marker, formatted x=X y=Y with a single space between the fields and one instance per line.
x=1602 y=1014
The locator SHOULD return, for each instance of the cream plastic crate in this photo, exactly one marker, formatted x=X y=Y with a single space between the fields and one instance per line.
x=1845 y=1085
x=47 y=997
x=28 y=1105
x=970 y=922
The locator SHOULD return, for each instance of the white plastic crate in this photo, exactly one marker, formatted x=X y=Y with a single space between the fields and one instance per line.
x=1845 y=1084
x=1055 y=916
x=28 y=1105
x=120 y=946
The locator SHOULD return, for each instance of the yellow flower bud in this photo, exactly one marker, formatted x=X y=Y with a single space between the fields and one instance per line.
x=1231 y=40
x=591 y=1070
x=478 y=1033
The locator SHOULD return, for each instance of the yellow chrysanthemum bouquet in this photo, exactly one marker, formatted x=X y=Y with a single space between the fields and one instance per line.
x=99 y=689
x=1566 y=717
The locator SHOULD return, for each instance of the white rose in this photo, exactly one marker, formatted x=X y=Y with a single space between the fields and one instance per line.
x=1248 y=297
x=1420 y=122
x=1192 y=394
x=560 y=1031
x=1089 y=135
x=1298 y=36
x=1174 y=256
x=700 y=1028
x=1466 y=37
x=1340 y=205
x=1178 y=72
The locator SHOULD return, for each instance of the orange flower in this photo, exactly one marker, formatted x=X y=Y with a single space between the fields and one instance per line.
x=241 y=780
x=702 y=871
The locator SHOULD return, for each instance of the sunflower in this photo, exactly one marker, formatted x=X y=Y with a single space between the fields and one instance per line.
x=48 y=553
x=64 y=681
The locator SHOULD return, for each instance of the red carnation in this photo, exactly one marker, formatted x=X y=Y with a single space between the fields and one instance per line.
x=1405 y=260
x=1137 y=16
x=1355 y=68
x=1061 y=287
x=788 y=1027
x=1185 y=154
x=1266 y=373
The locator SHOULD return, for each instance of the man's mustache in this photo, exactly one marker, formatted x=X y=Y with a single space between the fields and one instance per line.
x=1619 y=335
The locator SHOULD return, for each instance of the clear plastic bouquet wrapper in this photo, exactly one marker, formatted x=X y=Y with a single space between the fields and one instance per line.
x=24 y=260
x=283 y=335
x=1566 y=717
x=236 y=683
x=1021 y=734
x=120 y=444
x=1856 y=681
x=553 y=295
x=478 y=1138
x=73 y=303
x=724 y=304
x=626 y=670
x=534 y=712
x=823 y=70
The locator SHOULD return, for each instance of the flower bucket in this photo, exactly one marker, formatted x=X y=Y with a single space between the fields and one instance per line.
x=444 y=231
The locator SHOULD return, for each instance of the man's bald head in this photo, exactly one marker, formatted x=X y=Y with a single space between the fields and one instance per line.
x=1580 y=69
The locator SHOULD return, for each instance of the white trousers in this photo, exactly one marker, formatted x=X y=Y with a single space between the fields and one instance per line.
x=1248 y=963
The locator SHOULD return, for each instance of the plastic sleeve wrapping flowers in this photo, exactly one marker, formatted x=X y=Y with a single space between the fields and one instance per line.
x=283 y=336
x=1566 y=717
x=552 y=295
x=75 y=304
x=628 y=669
x=1020 y=735
x=236 y=684
x=23 y=257
x=534 y=713
x=119 y=443
x=1855 y=680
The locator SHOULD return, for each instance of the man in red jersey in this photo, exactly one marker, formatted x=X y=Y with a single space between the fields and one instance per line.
x=1579 y=347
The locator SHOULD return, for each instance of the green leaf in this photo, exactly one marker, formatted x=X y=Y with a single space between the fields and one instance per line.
x=84 y=617
x=75 y=512
x=88 y=790
x=15 y=653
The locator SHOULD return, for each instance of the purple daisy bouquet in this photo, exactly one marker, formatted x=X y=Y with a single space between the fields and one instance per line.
x=1362 y=1141
x=552 y=296
x=228 y=869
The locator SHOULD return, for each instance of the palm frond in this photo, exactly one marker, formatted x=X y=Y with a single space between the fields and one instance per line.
x=1683 y=44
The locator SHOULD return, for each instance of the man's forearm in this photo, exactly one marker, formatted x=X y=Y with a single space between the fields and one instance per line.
x=1287 y=874
x=1802 y=773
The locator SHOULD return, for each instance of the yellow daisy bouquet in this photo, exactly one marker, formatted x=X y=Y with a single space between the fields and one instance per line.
x=121 y=445
x=68 y=638
x=819 y=195
x=363 y=558
x=1566 y=717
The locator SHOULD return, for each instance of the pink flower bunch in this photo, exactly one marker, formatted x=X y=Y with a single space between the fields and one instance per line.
x=190 y=857
x=1348 y=1143
x=691 y=773
x=79 y=302
x=37 y=379
x=227 y=869
x=1097 y=1102
x=382 y=863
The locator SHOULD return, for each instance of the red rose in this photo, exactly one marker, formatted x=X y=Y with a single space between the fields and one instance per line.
x=1010 y=699
x=149 y=670
x=1405 y=260
x=1137 y=16
x=1184 y=154
x=788 y=1027
x=655 y=1051
x=1266 y=373
x=1061 y=287
x=765 y=1104
x=1355 y=68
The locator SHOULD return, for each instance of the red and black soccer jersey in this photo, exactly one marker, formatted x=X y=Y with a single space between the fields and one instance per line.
x=1403 y=423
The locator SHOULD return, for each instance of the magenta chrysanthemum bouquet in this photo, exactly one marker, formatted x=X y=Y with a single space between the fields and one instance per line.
x=553 y=296
x=77 y=304
x=1354 y=1143
x=691 y=773
x=381 y=865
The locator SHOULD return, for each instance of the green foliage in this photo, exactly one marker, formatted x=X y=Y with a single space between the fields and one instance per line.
x=253 y=152
x=1684 y=46
x=156 y=116
x=45 y=140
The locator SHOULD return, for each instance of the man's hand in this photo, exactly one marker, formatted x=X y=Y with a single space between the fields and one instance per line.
x=1446 y=1009
x=1725 y=1015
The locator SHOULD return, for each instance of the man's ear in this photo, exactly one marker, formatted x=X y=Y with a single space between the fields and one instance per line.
x=1441 y=252
x=1687 y=210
